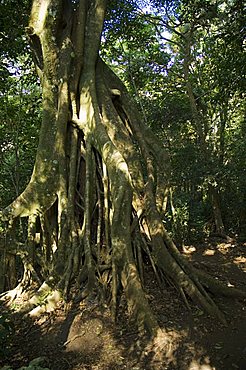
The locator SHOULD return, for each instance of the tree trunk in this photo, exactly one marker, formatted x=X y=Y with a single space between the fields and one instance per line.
x=96 y=195
x=201 y=126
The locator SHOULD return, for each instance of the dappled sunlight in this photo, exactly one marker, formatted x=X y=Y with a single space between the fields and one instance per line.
x=225 y=252
x=209 y=252
x=160 y=350
x=114 y=157
x=241 y=262
x=172 y=349
x=43 y=169
x=120 y=292
x=226 y=259
x=39 y=14
x=120 y=163
x=197 y=365
x=156 y=228
x=225 y=248
x=189 y=249
x=9 y=296
x=49 y=304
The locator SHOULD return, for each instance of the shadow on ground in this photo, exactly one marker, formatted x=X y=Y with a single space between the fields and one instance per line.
x=83 y=336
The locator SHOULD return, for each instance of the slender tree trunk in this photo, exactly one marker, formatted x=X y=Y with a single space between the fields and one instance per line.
x=202 y=130
x=219 y=225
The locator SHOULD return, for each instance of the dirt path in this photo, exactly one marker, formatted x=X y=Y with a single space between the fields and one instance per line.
x=84 y=337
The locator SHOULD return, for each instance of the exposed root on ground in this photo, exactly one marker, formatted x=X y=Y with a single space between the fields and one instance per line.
x=96 y=198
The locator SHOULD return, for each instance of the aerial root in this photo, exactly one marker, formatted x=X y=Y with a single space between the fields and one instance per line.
x=217 y=287
x=45 y=300
x=11 y=295
x=48 y=305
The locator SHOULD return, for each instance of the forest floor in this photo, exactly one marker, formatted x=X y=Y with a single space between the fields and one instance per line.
x=84 y=337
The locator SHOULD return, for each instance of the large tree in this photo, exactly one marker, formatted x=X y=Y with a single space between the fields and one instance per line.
x=94 y=203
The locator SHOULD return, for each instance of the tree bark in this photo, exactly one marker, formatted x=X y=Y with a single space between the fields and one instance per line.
x=100 y=178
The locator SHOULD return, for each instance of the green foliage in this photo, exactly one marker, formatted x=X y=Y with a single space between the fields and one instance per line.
x=135 y=43
x=132 y=47
x=20 y=113
x=177 y=219
x=19 y=101
x=13 y=20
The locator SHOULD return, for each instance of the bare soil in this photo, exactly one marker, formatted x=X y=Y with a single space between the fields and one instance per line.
x=83 y=336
